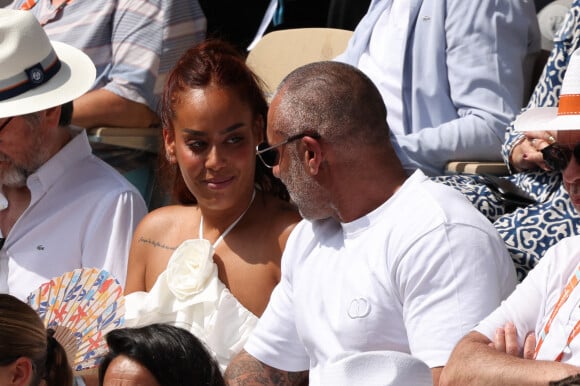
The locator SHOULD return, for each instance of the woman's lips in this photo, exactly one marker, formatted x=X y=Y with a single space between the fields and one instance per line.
x=219 y=183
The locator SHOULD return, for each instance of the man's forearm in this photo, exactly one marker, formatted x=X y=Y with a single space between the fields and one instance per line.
x=475 y=363
x=104 y=108
x=245 y=370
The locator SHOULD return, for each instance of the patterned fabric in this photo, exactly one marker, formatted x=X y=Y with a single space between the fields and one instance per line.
x=529 y=231
x=547 y=90
x=81 y=306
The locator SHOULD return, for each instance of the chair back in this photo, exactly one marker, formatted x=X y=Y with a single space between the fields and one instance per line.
x=280 y=52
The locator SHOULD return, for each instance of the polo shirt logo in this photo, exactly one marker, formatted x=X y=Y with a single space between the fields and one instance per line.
x=359 y=308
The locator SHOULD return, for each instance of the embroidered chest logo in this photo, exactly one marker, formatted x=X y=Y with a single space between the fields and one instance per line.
x=359 y=308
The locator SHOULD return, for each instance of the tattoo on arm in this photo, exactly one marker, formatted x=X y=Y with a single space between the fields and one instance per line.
x=155 y=244
x=245 y=370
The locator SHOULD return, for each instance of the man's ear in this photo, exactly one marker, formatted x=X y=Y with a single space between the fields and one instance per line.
x=19 y=372
x=52 y=116
x=312 y=154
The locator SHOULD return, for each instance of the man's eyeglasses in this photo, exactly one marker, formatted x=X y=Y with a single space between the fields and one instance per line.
x=270 y=155
x=557 y=158
x=6 y=122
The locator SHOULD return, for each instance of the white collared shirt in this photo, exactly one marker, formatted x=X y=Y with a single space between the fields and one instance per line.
x=82 y=213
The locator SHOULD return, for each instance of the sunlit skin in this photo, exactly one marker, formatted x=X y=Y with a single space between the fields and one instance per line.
x=124 y=371
x=526 y=154
x=213 y=142
x=18 y=373
x=304 y=190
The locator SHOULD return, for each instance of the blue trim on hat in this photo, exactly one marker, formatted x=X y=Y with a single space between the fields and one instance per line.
x=30 y=78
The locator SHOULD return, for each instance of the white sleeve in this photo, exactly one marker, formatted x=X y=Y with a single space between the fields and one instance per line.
x=448 y=281
x=108 y=237
x=275 y=340
x=526 y=305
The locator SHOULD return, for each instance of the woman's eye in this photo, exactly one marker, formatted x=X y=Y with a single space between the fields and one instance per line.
x=197 y=146
x=236 y=139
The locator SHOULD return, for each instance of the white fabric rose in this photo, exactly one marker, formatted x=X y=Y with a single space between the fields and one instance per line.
x=190 y=267
x=189 y=294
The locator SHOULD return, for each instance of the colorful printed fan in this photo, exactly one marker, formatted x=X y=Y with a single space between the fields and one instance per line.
x=81 y=306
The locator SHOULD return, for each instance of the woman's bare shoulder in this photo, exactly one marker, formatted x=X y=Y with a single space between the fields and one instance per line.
x=165 y=217
x=154 y=240
x=166 y=226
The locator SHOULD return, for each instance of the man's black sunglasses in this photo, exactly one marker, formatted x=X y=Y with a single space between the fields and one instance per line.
x=270 y=155
x=557 y=157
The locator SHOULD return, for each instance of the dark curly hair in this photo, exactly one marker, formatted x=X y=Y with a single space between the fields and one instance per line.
x=173 y=355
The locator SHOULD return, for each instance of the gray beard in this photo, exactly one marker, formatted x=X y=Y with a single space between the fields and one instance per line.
x=16 y=175
x=15 y=178
x=34 y=157
x=305 y=193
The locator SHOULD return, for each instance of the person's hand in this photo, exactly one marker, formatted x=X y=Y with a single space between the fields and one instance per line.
x=506 y=340
x=526 y=154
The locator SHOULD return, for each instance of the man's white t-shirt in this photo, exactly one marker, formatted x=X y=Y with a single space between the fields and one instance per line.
x=414 y=275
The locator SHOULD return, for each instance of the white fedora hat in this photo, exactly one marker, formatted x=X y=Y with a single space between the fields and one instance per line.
x=35 y=73
x=376 y=368
x=564 y=117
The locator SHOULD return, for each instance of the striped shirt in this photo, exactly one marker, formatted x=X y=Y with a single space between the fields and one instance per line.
x=133 y=43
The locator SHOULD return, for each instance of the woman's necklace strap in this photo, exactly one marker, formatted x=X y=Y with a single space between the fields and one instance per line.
x=229 y=228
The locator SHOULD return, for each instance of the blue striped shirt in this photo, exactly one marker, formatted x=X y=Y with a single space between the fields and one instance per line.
x=133 y=43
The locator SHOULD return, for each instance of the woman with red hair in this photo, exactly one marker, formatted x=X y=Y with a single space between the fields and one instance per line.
x=231 y=217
